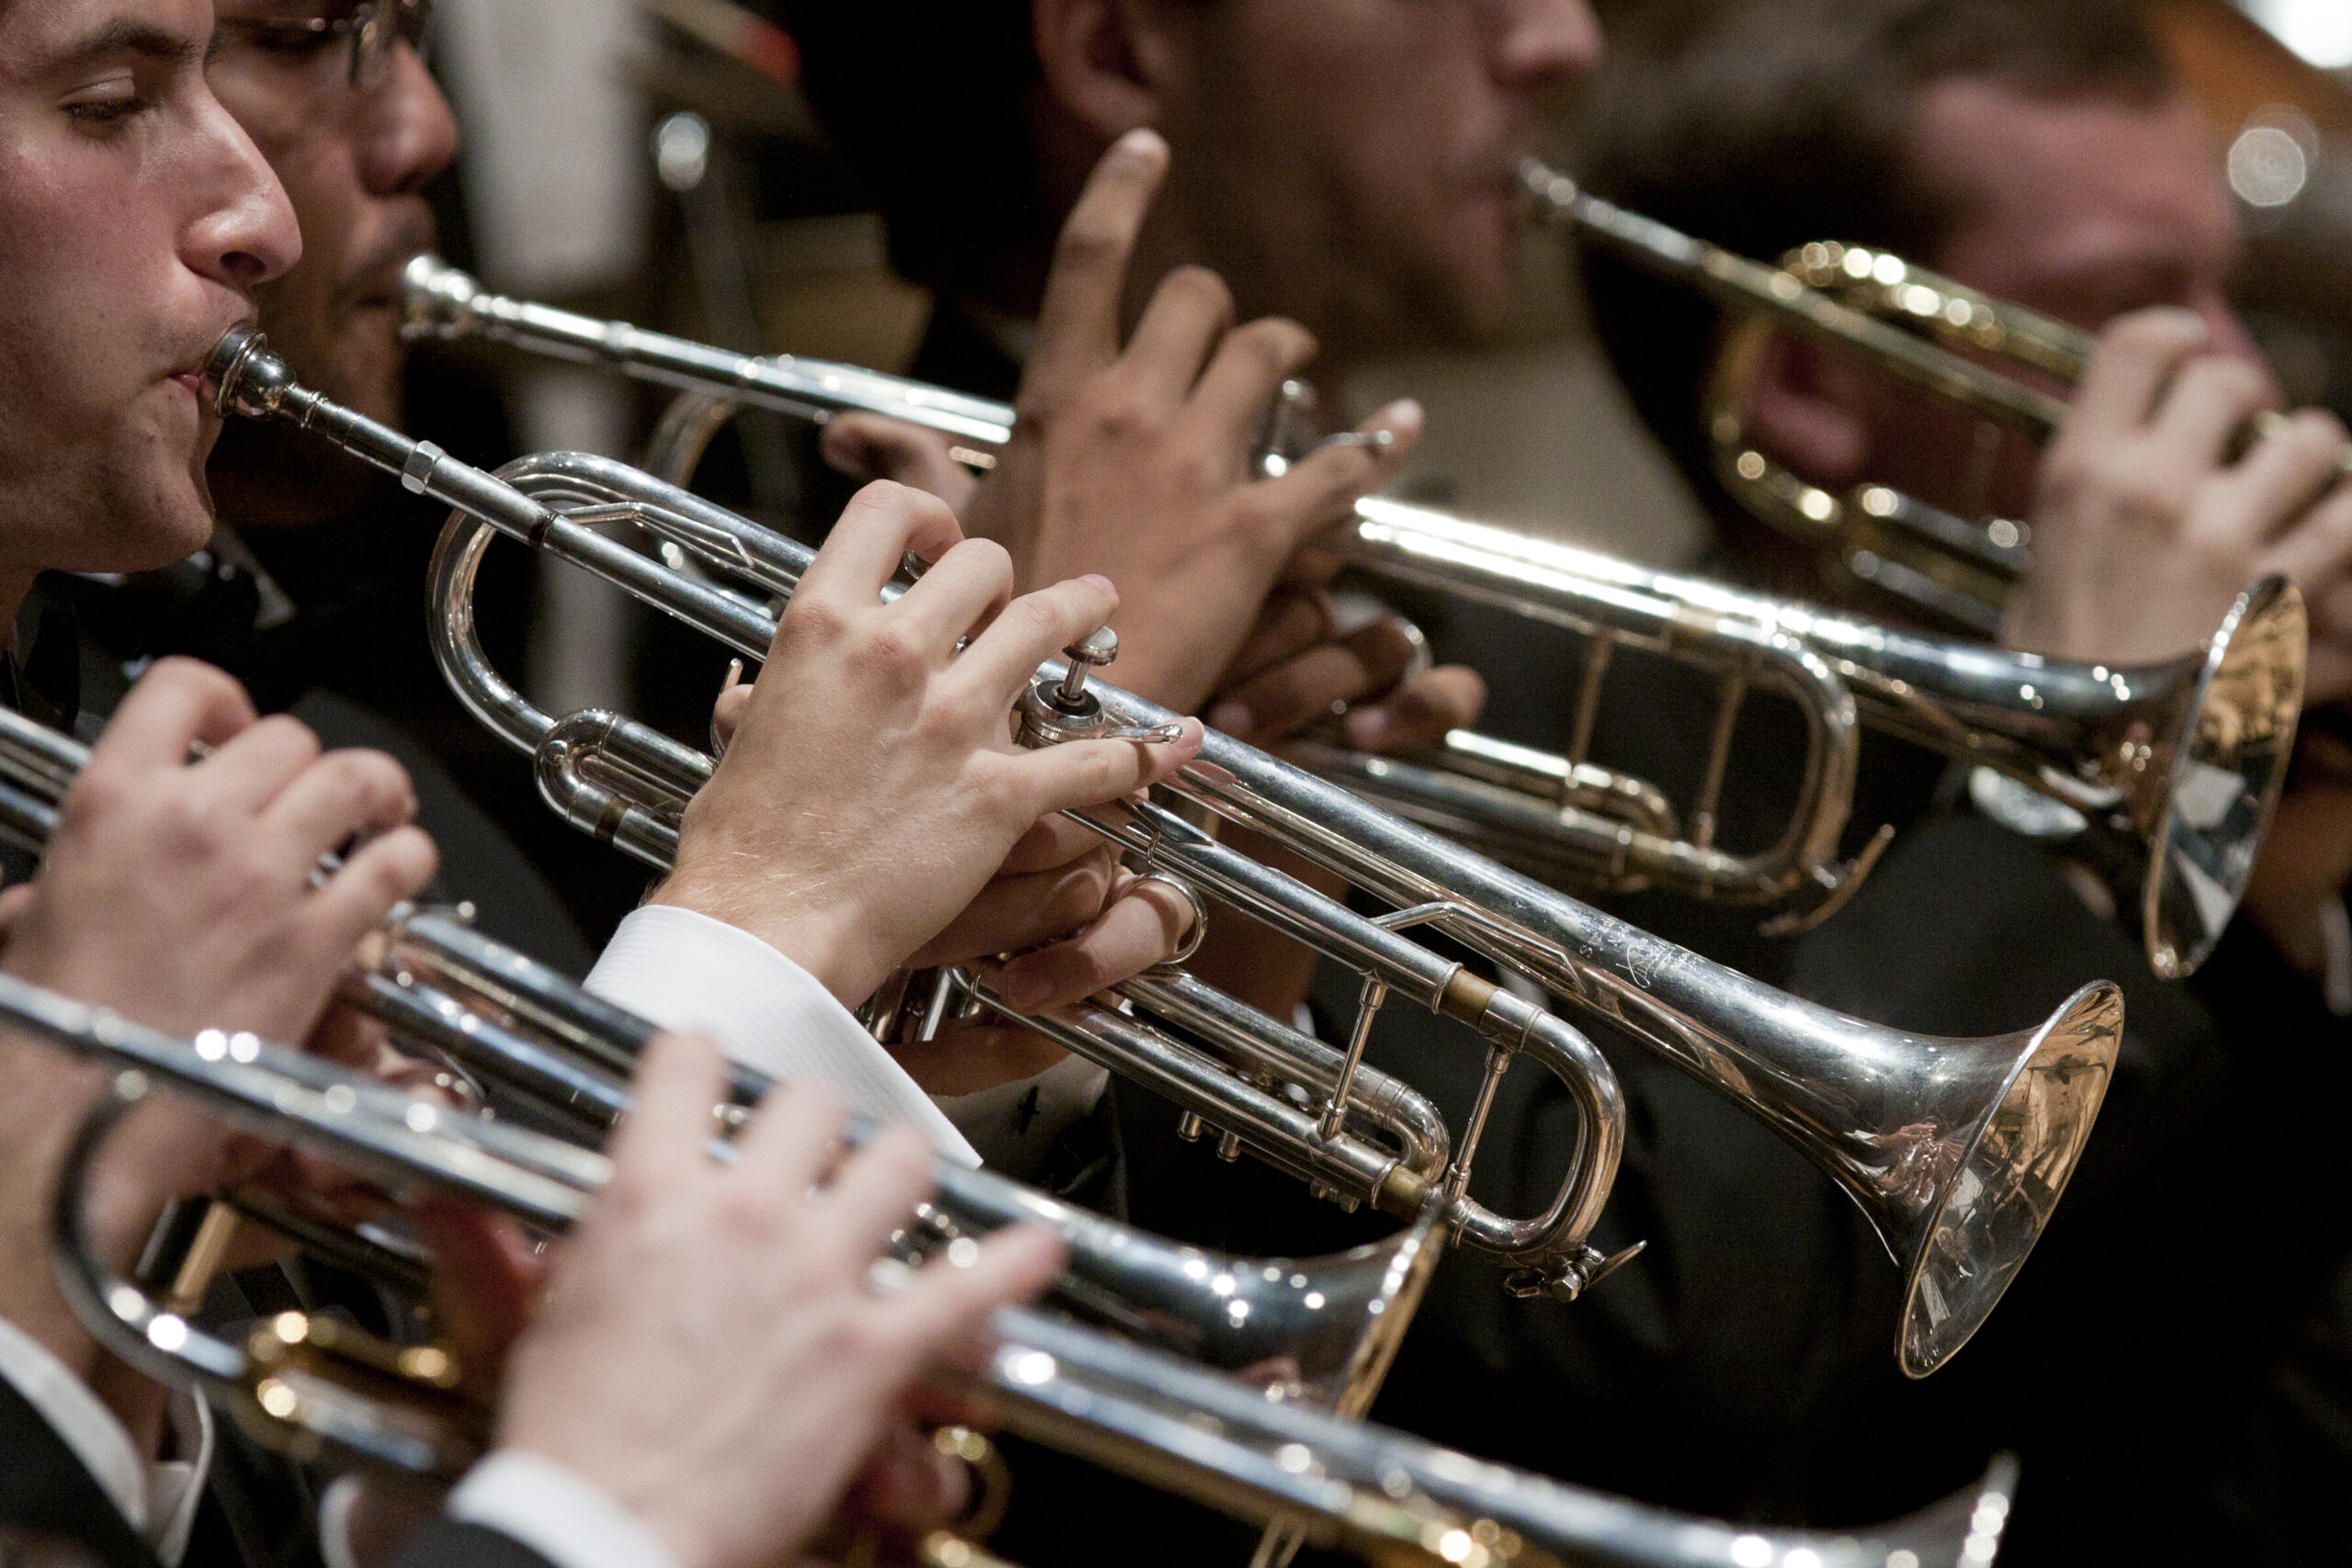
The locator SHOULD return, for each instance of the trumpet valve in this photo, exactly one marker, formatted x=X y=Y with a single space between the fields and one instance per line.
x=1066 y=710
x=1098 y=646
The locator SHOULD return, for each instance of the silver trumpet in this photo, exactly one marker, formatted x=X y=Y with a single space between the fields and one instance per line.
x=529 y=1040
x=1957 y=1149
x=2164 y=776
x=1318 y=1112
x=1328 y=1481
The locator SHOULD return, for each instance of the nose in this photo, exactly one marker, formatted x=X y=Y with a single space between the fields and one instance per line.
x=1547 y=43
x=241 y=231
x=409 y=134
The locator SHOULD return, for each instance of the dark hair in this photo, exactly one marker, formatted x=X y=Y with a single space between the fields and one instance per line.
x=928 y=100
x=1763 y=124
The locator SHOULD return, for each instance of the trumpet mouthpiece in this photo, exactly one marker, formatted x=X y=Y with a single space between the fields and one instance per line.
x=244 y=375
x=436 y=298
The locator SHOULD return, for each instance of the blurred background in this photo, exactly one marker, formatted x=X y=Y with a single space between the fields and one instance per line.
x=655 y=160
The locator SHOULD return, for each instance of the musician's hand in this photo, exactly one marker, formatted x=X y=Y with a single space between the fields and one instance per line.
x=710 y=1353
x=1137 y=464
x=871 y=787
x=1075 y=923
x=1297 y=668
x=2144 y=532
x=179 y=894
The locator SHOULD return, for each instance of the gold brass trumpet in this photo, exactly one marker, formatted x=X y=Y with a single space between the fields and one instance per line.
x=1957 y=1149
x=2166 y=774
x=1165 y=1421
x=1943 y=337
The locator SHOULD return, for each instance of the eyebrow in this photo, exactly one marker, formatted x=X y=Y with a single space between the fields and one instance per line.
x=127 y=35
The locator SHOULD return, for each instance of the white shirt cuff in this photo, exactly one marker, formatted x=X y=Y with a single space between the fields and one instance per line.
x=563 y=1518
x=684 y=970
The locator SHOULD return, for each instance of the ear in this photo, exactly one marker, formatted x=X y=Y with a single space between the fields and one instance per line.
x=1807 y=406
x=1093 y=55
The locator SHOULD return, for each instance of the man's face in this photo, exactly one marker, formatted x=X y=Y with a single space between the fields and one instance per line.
x=1349 y=162
x=356 y=164
x=135 y=219
x=2082 y=210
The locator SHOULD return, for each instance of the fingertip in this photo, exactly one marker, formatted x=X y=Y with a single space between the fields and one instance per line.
x=1405 y=416
x=1171 y=755
x=1142 y=145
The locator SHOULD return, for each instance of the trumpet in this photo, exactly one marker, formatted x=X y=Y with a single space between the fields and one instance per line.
x=2165 y=775
x=526 y=1039
x=1956 y=1149
x=310 y=1385
x=1940 y=337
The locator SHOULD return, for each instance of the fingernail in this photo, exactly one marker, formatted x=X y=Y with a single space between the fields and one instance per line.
x=1142 y=139
x=1101 y=581
x=1404 y=416
x=1231 y=716
x=1368 y=728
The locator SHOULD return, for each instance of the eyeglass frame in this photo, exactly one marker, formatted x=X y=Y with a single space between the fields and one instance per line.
x=372 y=42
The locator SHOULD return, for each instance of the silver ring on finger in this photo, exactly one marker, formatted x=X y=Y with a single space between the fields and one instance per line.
x=1191 y=895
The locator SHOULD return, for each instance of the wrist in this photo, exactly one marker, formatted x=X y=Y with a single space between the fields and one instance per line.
x=820 y=939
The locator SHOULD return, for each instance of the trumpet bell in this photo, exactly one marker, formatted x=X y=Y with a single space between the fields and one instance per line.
x=2230 y=756
x=1961 y=1179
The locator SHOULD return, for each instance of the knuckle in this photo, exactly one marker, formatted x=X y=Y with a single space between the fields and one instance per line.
x=886 y=652
x=297 y=738
x=1198 y=286
x=390 y=878
x=992 y=559
x=365 y=774
x=1034 y=617
x=1123 y=412
x=189 y=827
x=1273 y=346
x=750 y=1209
x=98 y=794
x=815 y=618
x=858 y=1337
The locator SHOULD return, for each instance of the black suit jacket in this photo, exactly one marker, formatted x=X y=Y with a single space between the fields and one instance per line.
x=446 y=1543
x=45 y=1493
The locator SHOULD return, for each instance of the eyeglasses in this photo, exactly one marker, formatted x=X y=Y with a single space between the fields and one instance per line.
x=376 y=29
